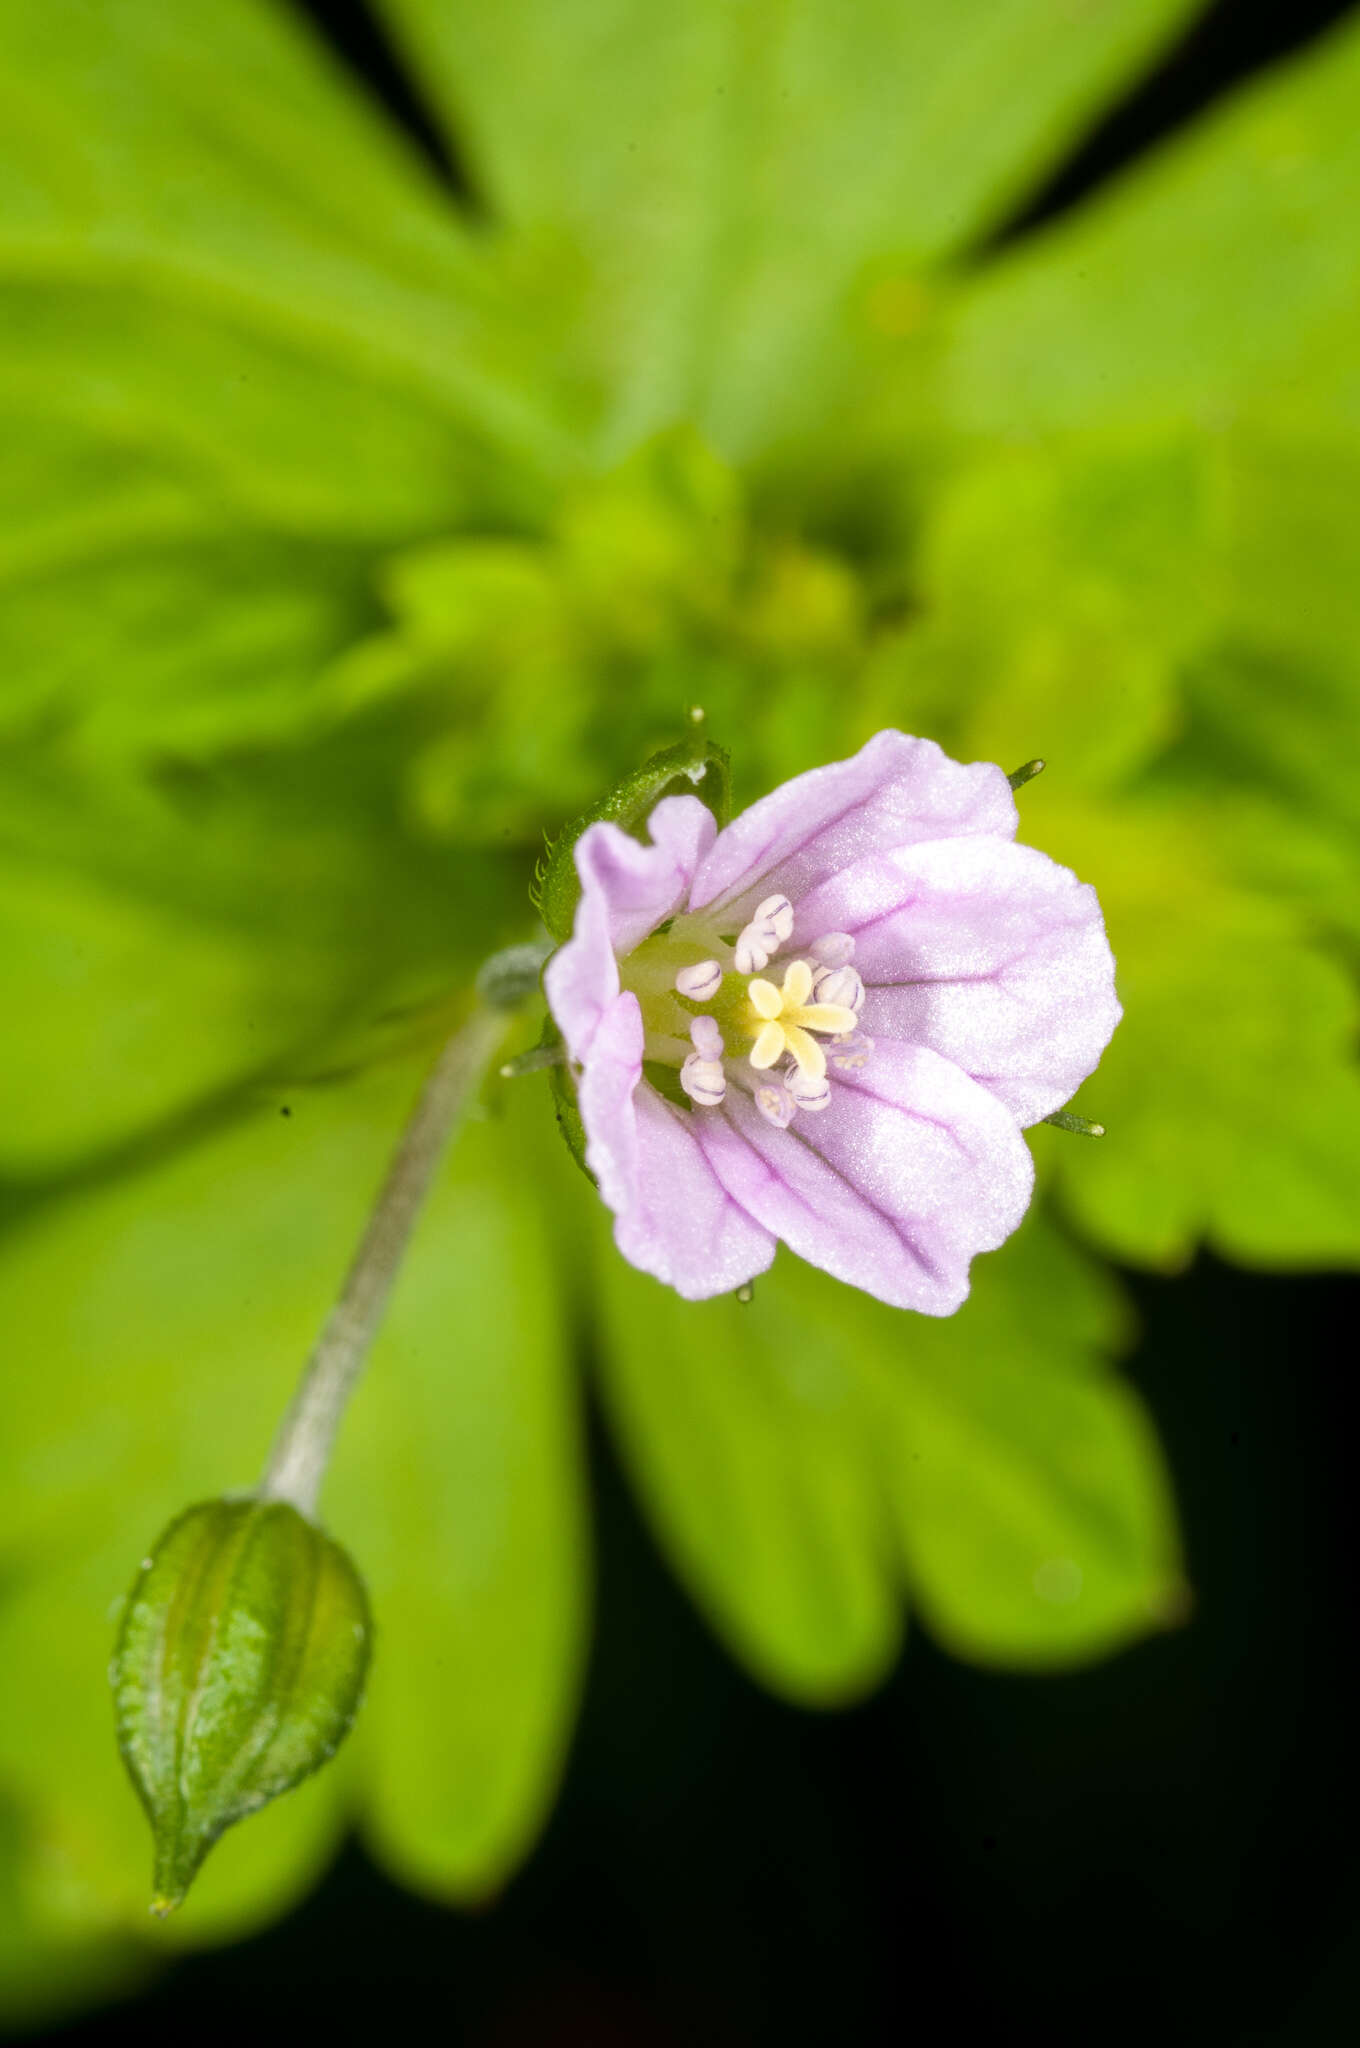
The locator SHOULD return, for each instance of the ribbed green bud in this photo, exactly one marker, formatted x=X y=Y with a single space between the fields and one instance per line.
x=239 y=1668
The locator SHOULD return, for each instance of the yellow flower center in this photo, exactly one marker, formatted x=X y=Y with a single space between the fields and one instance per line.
x=781 y=1020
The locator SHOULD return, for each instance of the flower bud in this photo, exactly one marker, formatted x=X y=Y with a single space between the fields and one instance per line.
x=239 y=1667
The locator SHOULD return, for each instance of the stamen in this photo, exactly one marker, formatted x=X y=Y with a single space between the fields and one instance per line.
x=777 y=913
x=704 y=1081
x=707 y=1038
x=840 y=985
x=834 y=949
x=767 y=931
x=699 y=982
x=775 y=1104
x=807 y=1090
x=851 y=1052
x=701 y=1073
x=751 y=953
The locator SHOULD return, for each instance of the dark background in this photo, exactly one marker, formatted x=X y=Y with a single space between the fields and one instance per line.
x=1161 y=1848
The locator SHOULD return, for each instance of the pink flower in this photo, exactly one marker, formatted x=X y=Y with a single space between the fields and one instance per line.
x=828 y=1023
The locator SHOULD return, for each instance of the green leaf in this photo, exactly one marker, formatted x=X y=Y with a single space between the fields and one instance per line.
x=786 y=1448
x=1274 y=701
x=189 y=643
x=158 y=1378
x=1059 y=588
x=1025 y=1485
x=1230 y=1093
x=165 y=946
x=754 y=1461
x=543 y=671
x=364 y=358
x=1223 y=273
x=731 y=178
x=460 y=1477
x=243 y=341
x=45 y=1975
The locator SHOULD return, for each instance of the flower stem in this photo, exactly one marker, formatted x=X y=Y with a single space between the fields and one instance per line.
x=303 y=1445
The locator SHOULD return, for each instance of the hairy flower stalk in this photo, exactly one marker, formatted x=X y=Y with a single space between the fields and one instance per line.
x=828 y=1023
x=302 y=1448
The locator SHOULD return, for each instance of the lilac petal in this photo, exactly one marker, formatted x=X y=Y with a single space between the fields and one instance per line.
x=893 y=792
x=991 y=953
x=644 y=885
x=672 y=1217
x=627 y=889
x=683 y=1226
x=605 y=1091
x=912 y=1170
x=582 y=978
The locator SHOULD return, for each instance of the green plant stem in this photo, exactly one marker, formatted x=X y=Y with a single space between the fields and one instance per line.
x=302 y=1447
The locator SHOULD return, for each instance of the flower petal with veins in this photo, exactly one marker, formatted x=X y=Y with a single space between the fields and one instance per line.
x=893 y=792
x=991 y=953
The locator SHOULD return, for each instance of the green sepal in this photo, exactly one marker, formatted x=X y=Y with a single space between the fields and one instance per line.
x=568 y=1113
x=239 y=1668
x=693 y=767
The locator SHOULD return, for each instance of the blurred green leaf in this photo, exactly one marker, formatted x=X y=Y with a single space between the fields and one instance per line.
x=165 y=945
x=550 y=670
x=1221 y=280
x=731 y=179
x=182 y=644
x=1274 y=702
x=784 y=1448
x=460 y=1488
x=44 y=1973
x=754 y=1462
x=301 y=320
x=1230 y=1093
x=1022 y=1477
x=1058 y=588
x=242 y=334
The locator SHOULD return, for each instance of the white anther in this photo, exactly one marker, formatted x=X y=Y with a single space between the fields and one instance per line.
x=834 y=949
x=704 y=1081
x=777 y=913
x=767 y=931
x=840 y=985
x=755 y=943
x=775 y=1104
x=808 y=1092
x=707 y=1038
x=851 y=1052
x=700 y=981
